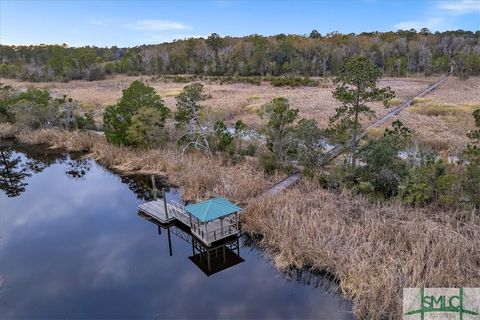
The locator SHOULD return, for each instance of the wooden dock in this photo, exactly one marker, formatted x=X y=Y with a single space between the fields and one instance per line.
x=156 y=210
x=208 y=232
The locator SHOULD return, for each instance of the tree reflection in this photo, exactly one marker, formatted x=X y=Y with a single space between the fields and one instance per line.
x=77 y=169
x=15 y=168
x=18 y=162
x=143 y=187
x=13 y=173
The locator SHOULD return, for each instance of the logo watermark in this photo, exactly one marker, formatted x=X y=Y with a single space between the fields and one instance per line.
x=441 y=303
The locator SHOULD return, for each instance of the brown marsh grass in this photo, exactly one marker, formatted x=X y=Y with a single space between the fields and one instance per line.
x=444 y=110
x=198 y=175
x=372 y=250
x=232 y=102
x=6 y=131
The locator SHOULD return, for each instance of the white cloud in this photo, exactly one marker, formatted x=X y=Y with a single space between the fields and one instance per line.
x=442 y=15
x=460 y=7
x=157 y=25
x=431 y=23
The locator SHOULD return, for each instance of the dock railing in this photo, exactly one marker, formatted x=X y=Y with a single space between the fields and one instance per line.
x=178 y=211
x=221 y=233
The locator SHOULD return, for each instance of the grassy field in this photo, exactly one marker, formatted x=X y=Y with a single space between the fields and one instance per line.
x=230 y=102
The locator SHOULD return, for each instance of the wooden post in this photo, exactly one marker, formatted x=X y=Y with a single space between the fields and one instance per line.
x=236 y=216
x=169 y=243
x=206 y=231
x=208 y=259
x=165 y=203
x=221 y=226
x=154 y=187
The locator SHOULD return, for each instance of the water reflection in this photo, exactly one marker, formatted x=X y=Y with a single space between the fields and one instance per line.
x=76 y=248
x=221 y=256
x=150 y=187
x=19 y=162
x=13 y=173
x=15 y=168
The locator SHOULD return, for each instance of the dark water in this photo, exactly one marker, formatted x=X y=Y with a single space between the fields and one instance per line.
x=72 y=245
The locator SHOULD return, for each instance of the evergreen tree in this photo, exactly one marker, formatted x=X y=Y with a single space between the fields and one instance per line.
x=356 y=87
x=279 y=127
x=118 y=118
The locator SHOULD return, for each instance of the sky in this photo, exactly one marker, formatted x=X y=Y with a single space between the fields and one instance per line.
x=131 y=23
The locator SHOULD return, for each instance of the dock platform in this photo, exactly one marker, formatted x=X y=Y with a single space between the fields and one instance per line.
x=156 y=210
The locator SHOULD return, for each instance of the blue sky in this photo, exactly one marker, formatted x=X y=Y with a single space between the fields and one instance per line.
x=130 y=23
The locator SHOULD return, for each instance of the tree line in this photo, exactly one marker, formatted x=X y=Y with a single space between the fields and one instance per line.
x=396 y=54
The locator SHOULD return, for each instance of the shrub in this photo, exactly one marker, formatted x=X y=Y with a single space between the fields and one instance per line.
x=292 y=81
x=308 y=146
x=85 y=121
x=224 y=138
x=250 y=150
x=471 y=185
x=35 y=95
x=28 y=115
x=416 y=192
x=146 y=128
x=268 y=163
x=383 y=169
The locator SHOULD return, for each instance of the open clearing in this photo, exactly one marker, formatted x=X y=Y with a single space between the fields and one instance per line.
x=441 y=119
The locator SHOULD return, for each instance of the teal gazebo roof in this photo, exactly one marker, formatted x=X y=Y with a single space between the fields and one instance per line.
x=212 y=209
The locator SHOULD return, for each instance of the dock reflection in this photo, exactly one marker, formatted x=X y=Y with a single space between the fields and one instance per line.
x=210 y=260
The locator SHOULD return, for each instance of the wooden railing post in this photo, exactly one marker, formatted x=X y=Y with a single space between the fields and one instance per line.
x=165 y=203
x=154 y=187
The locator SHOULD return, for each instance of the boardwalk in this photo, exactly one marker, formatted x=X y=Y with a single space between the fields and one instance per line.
x=284 y=184
x=336 y=151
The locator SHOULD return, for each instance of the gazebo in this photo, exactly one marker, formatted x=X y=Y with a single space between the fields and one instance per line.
x=213 y=219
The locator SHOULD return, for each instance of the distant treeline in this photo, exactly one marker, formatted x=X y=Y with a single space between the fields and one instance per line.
x=396 y=53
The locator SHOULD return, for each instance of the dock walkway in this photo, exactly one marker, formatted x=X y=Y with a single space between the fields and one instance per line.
x=156 y=210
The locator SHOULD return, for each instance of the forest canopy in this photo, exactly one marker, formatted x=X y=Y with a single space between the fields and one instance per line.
x=395 y=53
